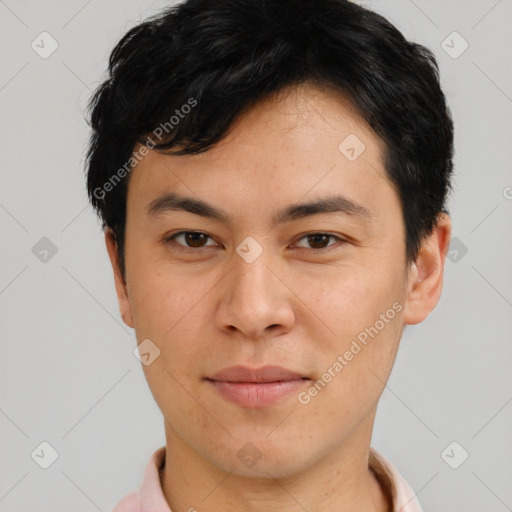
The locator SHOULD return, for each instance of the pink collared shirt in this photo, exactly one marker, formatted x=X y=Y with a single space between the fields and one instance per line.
x=150 y=498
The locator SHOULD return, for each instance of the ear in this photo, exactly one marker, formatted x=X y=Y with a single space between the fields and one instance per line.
x=121 y=286
x=425 y=279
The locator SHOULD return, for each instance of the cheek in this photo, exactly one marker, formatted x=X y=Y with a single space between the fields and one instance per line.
x=348 y=299
x=169 y=310
x=362 y=308
x=161 y=298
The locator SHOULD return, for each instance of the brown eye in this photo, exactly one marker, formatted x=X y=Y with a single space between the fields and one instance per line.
x=191 y=239
x=319 y=241
x=195 y=239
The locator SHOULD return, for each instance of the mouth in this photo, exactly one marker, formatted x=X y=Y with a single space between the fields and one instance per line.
x=252 y=388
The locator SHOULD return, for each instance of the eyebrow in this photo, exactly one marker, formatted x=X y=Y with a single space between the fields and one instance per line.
x=332 y=204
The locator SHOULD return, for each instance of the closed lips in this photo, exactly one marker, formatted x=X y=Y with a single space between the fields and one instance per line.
x=266 y=374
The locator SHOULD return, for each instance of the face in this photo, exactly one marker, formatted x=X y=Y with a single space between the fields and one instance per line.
x=320 y=292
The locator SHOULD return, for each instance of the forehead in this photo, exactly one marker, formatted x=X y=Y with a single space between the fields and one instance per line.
x=303 y=142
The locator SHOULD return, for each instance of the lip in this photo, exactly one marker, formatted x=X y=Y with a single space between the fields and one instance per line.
x=251 y=387
x=248 y=375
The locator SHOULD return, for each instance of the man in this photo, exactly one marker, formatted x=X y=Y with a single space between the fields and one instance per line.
x=272 y=179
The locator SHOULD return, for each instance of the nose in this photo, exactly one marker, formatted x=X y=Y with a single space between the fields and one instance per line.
x=256 y=300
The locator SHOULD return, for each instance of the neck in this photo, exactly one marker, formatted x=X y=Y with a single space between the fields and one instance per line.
x=339 y=482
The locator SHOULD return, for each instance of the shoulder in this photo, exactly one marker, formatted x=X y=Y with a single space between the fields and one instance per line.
x=149 y=496
x=130 y=503
x=402 y=495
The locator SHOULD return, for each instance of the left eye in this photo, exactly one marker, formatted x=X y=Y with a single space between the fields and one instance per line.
x=319 y=239
x=196 y=239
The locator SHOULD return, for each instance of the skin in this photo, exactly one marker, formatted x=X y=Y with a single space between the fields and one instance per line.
x=297 y=305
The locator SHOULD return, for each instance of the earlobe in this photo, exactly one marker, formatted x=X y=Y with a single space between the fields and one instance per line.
x=121 y=287
x=425 y=280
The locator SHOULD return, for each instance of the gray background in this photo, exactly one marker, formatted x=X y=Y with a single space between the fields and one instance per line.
x=68 y=375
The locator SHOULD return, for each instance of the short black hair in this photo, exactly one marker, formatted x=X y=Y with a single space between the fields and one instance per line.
x=220 y=57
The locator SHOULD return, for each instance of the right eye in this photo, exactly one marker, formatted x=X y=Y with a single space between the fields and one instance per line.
x=190 y=239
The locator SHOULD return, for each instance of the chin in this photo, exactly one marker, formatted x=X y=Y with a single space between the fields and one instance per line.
x=262 y=460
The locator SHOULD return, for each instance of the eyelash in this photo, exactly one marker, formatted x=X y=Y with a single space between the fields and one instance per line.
x=172 y=238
